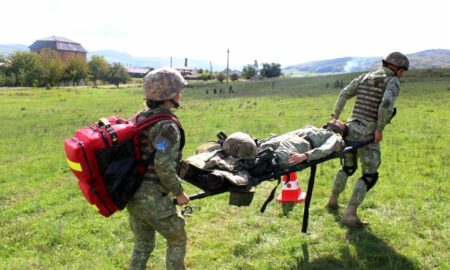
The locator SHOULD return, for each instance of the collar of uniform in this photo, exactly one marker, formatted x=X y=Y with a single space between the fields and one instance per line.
x=161 y=109
x=388 y=71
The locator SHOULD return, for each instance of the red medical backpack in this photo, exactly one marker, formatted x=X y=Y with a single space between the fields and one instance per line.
x=105 y=159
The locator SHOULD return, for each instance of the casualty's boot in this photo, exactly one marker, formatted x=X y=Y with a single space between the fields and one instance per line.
x=333 y=201
x=350 y=218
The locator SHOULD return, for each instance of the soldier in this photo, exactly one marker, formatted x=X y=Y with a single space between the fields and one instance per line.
x=375 y=93
x=151 y=208
x=305 y=144
x=308 y=143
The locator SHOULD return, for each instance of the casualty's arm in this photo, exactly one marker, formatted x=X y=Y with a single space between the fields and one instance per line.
x=333 y=144
x=348 y=92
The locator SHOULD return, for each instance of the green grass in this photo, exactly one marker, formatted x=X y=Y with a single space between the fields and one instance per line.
x=47 y=224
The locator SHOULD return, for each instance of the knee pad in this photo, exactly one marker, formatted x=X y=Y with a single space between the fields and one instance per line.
x=349 y=170
x=370 y=180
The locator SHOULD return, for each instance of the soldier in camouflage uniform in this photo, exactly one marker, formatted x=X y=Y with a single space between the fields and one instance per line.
x=375 y=93
x=151 y=208
x=304 y=144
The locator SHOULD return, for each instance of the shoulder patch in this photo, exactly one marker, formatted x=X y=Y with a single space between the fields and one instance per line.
x=162 y=144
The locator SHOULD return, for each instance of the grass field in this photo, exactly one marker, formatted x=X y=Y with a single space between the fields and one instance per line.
x=45 y=223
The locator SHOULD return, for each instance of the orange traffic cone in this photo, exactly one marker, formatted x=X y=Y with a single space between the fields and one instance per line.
x=291 y=191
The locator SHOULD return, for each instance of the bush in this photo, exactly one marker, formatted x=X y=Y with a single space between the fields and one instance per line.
x=248 y=71
x=118 y=74
x=220 y=77
x=25 y=69
x=271 y=70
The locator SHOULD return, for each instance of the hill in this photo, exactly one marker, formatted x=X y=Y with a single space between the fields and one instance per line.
x=437 y=58
x=6 y=49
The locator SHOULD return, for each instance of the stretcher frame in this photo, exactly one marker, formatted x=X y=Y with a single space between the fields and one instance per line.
x=350 y=146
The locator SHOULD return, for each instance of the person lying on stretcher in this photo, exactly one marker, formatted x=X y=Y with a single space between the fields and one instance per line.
x=304 y=144
x=240 y=159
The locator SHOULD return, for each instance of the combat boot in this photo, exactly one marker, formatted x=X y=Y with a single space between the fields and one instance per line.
x=333 y=201
x=350 y=218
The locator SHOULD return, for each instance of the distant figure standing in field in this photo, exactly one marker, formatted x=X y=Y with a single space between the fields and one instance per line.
x=375 y=93
x=151 y=208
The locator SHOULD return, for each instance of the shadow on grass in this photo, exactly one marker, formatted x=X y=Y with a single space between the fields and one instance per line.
x=371 y=253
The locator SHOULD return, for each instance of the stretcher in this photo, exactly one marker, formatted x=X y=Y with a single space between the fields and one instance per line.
x=191 y=175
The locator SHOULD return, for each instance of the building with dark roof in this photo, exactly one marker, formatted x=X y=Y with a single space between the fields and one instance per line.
x=138 y=72
x=66 y=48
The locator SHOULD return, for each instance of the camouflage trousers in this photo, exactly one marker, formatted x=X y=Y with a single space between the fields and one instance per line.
x=369 y=157
x=152 y=211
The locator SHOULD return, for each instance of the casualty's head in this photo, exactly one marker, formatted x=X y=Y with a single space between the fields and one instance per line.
x=397 y=62
x=240 y=145
x=337 y=126
x=163 y=84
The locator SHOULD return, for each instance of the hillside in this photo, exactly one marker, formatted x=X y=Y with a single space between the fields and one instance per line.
x=6 y=49
x=437 y=58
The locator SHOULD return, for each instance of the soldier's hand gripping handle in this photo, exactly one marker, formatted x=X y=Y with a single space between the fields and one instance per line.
x=378 y=136
x=181 y=199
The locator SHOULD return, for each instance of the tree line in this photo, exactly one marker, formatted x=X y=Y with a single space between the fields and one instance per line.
x=250 y=71
x=48 y=69
x=267 y=71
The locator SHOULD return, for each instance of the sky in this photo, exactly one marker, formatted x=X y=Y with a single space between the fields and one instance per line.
x=287 y=32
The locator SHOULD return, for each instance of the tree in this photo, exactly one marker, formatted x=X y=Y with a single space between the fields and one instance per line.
x=248 y=71
x=270 y=70
x=98 y=69
x=221 y=77
x=205 y=76
x=53 y=67
x=118 y=74
x=76 y=70
x=234 y=77
x=25 y=68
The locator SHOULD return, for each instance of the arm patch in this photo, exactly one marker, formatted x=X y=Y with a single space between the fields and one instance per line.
x=162 y=144
x=167 y=138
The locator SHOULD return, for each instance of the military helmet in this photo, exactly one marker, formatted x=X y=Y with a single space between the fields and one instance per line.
x=336 y=126
x=163 y=84
x=240 y=145
x=397 y=59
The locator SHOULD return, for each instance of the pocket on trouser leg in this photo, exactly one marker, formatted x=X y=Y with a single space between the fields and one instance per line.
x=370 y=158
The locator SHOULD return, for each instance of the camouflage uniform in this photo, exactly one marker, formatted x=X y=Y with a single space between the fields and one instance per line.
x=375 y=93
x=315 y=142
x=151 y=208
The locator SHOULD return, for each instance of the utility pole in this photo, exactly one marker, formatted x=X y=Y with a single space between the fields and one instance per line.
x=228 y=62
x=171 y=62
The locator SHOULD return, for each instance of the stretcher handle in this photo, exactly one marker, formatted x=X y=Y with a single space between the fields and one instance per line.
x=195 y=196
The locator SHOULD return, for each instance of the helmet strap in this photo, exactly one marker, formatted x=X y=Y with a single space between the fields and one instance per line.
x=175 y=104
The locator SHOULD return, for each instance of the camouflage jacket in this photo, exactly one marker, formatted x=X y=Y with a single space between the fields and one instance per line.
x=163 y=139
x=386 y=107
x=325 y=142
